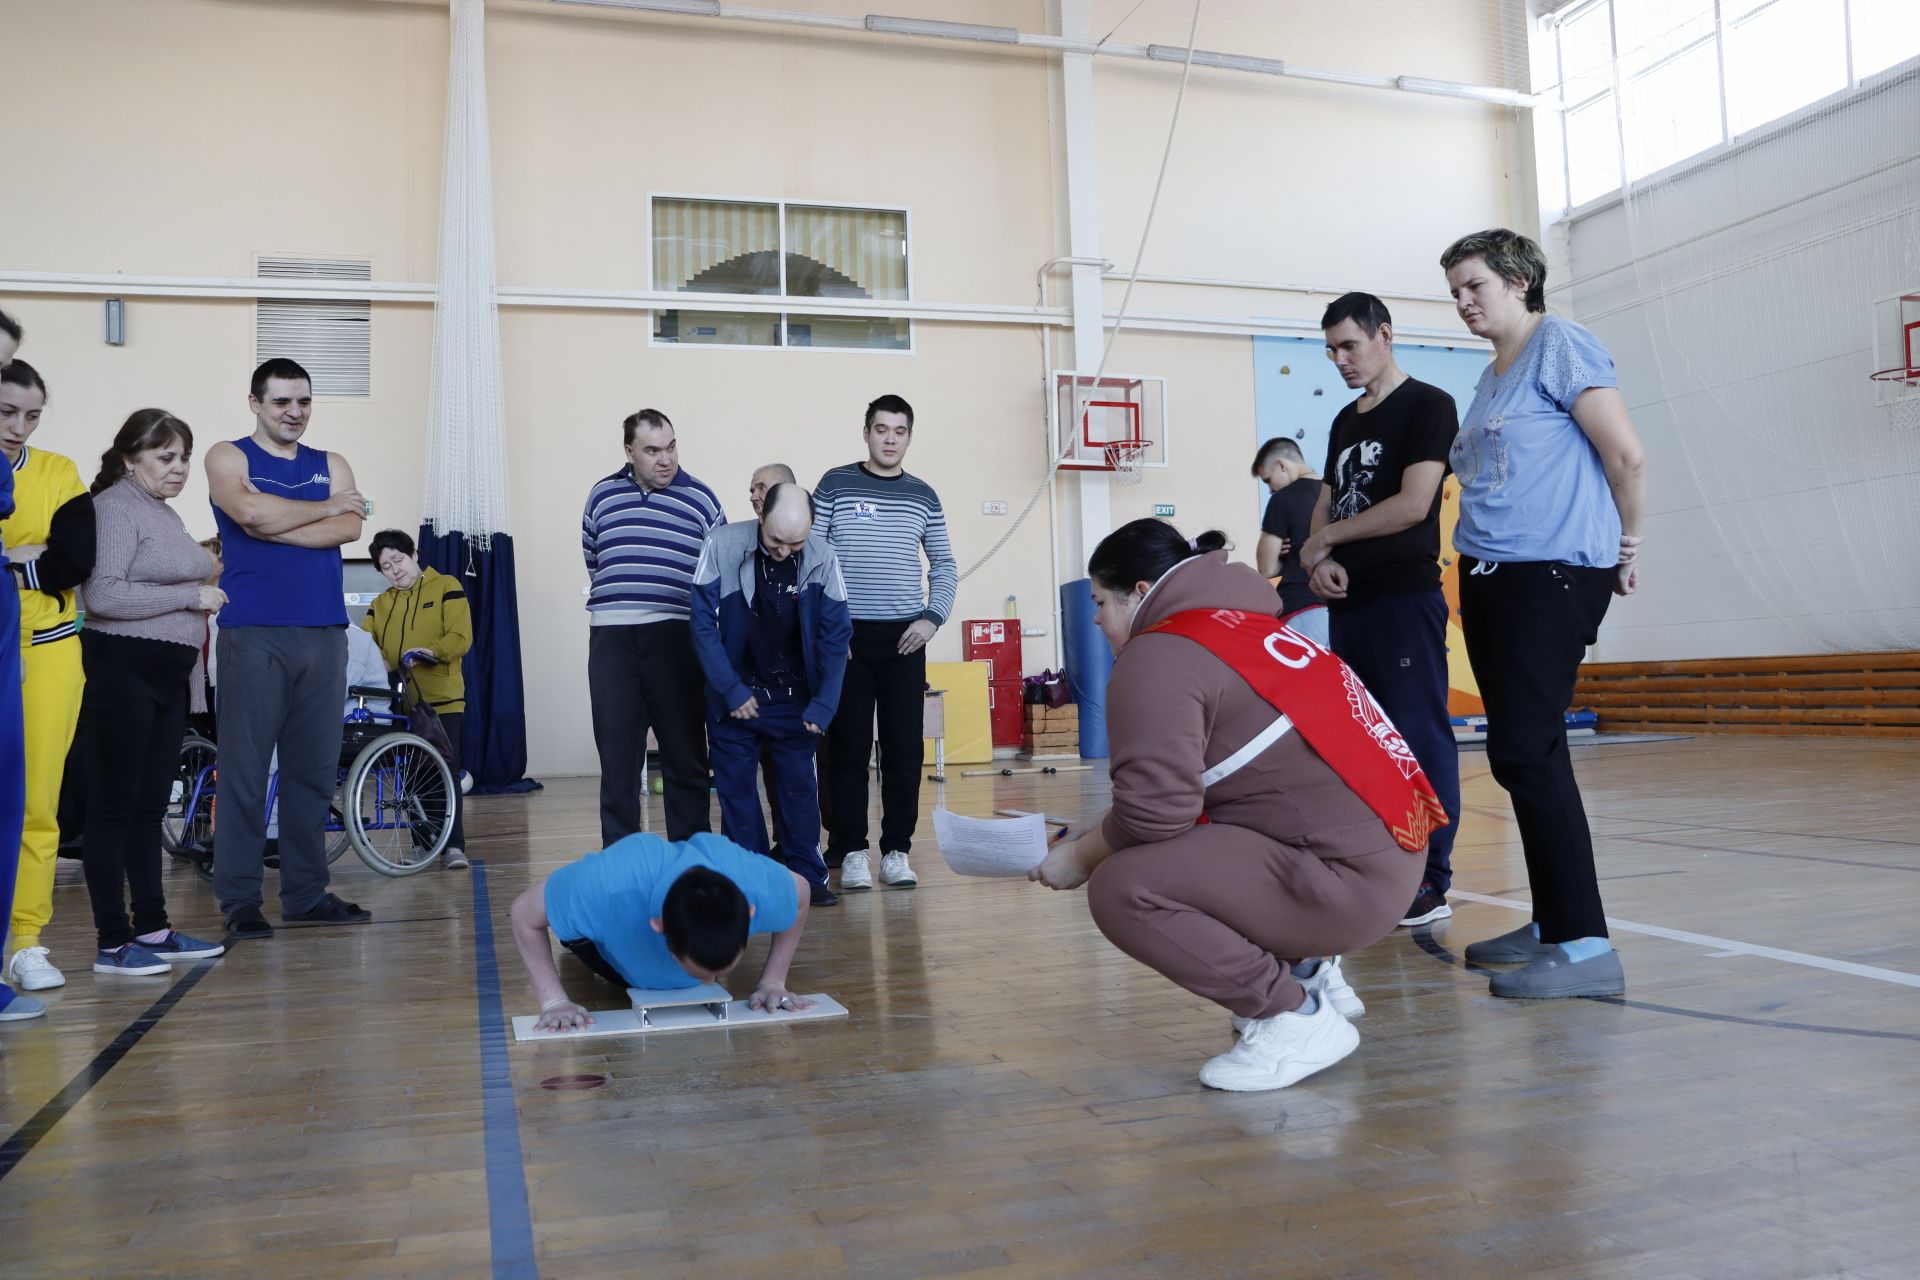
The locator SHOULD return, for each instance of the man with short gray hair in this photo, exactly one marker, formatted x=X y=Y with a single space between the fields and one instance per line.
x=771 y=627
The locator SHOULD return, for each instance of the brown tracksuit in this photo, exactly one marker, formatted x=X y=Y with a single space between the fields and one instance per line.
x=1290 y=863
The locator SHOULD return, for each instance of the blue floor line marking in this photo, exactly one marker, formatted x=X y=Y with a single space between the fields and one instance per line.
x=509 y=1220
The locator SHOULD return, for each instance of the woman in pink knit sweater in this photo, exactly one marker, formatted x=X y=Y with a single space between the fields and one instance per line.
x=1266 y=816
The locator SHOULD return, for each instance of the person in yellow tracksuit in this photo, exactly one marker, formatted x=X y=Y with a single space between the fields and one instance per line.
x=424 y=625
x=49 y=550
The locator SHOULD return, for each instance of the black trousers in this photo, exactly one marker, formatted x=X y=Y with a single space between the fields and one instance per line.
x=590 y=956
x=135 y=707
x=642 y=677
x=1528 y=624
x=878 y=675
x=454 y=722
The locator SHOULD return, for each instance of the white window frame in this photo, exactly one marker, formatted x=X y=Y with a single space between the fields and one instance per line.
x=783 y=305
x=1728 y=141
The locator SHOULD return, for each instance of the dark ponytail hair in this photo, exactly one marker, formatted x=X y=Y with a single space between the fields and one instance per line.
x=22 y=374
x=144 y=429
x=1143 y=551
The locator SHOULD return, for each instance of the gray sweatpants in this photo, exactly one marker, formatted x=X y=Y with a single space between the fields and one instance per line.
x=279 y=687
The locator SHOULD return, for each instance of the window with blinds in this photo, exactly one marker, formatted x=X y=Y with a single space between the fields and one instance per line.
x=332 y=338
x=776 y=249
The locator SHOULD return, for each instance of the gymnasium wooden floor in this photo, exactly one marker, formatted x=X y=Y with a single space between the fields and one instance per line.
x=1013 y=1098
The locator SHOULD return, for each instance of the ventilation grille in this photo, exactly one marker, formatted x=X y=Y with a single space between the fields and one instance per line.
x=331 y=338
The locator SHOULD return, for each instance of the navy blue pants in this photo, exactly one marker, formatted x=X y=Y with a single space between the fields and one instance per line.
x=13 y=757
x=734 y=748
x=1397 y=645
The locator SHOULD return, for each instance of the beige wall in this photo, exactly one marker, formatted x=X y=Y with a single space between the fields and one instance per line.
x=315 y=128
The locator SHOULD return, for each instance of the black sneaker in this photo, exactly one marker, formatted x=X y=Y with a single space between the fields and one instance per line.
x=1428 y=905
x=329 y=910
x=821 y=896
x=247 y=923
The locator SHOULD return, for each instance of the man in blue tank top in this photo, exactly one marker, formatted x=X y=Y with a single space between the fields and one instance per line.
x=284 y=511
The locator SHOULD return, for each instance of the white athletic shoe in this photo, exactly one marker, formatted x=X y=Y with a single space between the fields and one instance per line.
x=895 y=872
x=30 y=970
x=856 y=873
x=1275 y=1052
x=456 y=858
x=1329 y=984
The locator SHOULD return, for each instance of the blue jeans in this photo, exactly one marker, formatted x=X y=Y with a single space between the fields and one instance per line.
x=1397 y=645
x=734 y=747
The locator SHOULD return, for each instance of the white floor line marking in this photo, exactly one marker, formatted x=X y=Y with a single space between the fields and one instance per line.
x=1726 y=946
x=1722 y=955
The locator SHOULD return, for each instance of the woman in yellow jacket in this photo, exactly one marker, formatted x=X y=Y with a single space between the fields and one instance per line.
x=422 y=623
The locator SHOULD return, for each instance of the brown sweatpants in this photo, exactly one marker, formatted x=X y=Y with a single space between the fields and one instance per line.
x=1225 y=911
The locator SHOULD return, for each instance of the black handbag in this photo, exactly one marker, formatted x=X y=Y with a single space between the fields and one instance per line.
x=424 y=721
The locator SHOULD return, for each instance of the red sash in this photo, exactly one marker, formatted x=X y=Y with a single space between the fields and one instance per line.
x=1329 y=706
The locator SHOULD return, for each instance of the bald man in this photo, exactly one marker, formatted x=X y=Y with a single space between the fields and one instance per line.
x=771 y=627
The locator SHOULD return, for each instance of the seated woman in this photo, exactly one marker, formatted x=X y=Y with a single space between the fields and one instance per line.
x=1266 y=816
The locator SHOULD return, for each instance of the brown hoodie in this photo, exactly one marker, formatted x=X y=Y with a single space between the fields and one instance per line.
x=1174 y=711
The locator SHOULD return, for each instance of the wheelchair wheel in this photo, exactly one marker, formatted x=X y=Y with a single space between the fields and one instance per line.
x=186 y=828
x=400 y=798
x=338 y=834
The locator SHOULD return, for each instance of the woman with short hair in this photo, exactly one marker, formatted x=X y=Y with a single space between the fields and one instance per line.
x=147 y=602
x=1552 y=484
x=424 y=628
x=1266 y=816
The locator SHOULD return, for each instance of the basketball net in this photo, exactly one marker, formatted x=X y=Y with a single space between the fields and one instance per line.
x=1127 y=461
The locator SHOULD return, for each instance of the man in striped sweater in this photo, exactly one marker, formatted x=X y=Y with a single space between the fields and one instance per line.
x=879 y=520
x=641 y=534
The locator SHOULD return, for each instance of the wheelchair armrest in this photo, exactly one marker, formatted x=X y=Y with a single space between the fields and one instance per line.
x=370 y=691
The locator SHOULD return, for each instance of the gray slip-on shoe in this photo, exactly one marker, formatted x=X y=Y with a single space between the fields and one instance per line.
x=1518 y=947
x=1555 y=977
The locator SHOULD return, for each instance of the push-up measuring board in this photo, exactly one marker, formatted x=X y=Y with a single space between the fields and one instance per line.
x=687 y=1009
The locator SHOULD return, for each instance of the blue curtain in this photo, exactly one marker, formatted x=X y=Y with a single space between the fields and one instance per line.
x=493 y=745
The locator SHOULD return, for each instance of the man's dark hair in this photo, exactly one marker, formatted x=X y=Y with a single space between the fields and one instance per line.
x=282 y=368
x=22 y=374
x=649 y=418
x=1363 y=309
x=705 y=919
x=889 y=404
x=1144 y=550
x=11 y=327
x=771 y=499
x=389 y=540
x=1280 y=447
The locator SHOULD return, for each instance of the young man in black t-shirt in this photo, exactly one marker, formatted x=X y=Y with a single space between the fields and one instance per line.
x=1375 y=555
x=1293 y=488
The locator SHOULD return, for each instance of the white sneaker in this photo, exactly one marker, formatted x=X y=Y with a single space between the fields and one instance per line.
x=894 y=871
x=30 y=970
x=856 y=873
x=1275 y=1052
x=456 y=858
x=1328 y=983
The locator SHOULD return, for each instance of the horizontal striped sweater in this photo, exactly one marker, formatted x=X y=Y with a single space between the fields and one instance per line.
x=641 y=547
x=879 y=526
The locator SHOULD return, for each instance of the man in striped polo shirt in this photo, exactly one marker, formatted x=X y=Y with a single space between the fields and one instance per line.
x=642 y=532
x=879 y=520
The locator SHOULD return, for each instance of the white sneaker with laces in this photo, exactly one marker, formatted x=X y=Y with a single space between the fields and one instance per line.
x=30 y=970
x=894 y=871
x=1327 y=982
x=856 y=873
x=1275 y=1052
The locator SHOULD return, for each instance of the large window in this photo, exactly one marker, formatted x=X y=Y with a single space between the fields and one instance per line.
x=1695 y=73
x=777 y=249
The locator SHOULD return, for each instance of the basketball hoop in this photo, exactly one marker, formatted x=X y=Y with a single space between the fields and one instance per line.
x=1899 y=373
x=1125 y=460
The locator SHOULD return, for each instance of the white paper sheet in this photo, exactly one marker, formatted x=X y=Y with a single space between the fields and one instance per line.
x=627 y=1022
x=990 y=846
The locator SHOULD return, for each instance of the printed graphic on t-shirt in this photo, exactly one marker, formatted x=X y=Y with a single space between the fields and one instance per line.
x=1482 y=454
x=1353 y=476
x=864 y=510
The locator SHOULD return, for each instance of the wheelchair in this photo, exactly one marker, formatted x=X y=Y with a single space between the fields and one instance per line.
x=394 y=799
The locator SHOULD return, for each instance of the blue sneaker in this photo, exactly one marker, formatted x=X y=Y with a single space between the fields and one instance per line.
x=179 y=946
x=18 y=1008
x=132 y=960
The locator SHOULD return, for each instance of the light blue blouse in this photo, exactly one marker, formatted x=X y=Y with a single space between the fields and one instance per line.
x=1532 y=486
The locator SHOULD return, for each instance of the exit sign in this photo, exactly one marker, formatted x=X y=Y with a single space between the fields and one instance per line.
x=1164 y=510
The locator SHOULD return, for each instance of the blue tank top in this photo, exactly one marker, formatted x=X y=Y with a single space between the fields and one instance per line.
x=270 y=584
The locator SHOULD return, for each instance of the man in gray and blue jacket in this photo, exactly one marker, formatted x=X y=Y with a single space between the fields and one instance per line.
x=771 y=628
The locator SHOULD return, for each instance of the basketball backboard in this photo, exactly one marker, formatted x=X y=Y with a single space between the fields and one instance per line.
x=1089 y=416
x=1896 y=348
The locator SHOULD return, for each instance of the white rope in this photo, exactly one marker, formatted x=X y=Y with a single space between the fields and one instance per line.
x=1126 y=298
x=466 y=414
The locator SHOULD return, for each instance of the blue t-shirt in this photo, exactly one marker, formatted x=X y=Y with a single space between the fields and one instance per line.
x=270 y=584
x=612 y=897
x=1532 y=486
